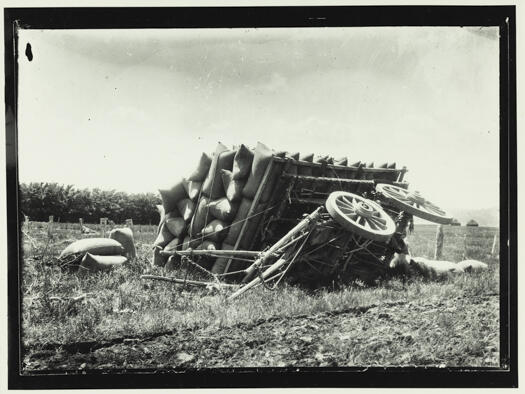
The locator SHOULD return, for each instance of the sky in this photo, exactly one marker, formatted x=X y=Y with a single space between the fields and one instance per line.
x=132 y=110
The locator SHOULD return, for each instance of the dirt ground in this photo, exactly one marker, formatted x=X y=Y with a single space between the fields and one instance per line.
x=433 y=332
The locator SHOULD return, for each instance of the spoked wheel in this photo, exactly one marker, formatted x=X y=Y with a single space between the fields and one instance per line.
x=361 y=216
x=413 y=203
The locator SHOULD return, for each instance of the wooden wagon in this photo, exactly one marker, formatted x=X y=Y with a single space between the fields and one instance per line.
x=319 y=222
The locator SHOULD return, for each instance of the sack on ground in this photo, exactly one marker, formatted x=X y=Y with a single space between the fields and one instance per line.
x=202 y=169
x=223 y=209
x=242 y=163
x=261 y=159
x=95 y=263
x=472 y=265
x=96 y=246
x=125 y=237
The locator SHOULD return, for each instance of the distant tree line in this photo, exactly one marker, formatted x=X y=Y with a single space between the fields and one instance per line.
x=39 y=200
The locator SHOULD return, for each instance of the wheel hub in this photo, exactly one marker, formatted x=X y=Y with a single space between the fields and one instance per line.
x=365 y=210
x=416 y=197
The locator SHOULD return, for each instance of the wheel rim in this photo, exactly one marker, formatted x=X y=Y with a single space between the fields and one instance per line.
x=359 y=215
x=414 y=203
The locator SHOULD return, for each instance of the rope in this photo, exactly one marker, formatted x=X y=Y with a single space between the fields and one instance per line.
x=202 y=237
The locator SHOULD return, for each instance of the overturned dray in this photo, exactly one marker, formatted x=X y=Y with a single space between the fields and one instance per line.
x=313 y=220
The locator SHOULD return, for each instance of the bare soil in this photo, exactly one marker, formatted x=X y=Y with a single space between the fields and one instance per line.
x=427 y=332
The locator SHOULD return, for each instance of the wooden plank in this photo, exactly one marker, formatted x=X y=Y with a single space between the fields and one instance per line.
x=255 y=202
x=326 y=179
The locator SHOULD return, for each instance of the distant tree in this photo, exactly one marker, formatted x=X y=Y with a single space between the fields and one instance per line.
x=38 y=200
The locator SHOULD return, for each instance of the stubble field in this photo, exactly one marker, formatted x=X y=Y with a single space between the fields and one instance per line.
x=124 y=322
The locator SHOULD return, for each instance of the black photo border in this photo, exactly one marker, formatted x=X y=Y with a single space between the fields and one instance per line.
x=244 y=17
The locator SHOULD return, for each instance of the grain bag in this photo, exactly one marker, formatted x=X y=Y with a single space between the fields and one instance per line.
x=242 y=163
x=96 y=246
x=305 y=170
x=294 y=156
x=392 y=165
x=189 y=243
x=207 y=245
x=158 y=259
x=281 y=154
x=343 y=161
x=215 y=230
x=356 y=164
x=321 y=159
x=261 y=159
x=235 y=227
x=220 y=263
x=252 y=227
x=125 y=237
x=223 y=209
x=175 y=224
x=192 y=188
x=472 y=265
x=95 y=263
x=232 y=187
x=202 y=169
x=222 y=158
x=164 y=236
x=186 y=208
x=384 y=165
x=170 y=197
x=172 y=245
x=200 y=218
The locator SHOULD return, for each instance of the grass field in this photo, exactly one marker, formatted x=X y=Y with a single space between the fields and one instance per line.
x=125 y=322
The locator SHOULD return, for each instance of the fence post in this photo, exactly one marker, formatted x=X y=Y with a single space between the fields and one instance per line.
x=50 y=224
x=438 y=252
x=494 y=245
x=129 y=223
x=81 y=223
x=104 y=222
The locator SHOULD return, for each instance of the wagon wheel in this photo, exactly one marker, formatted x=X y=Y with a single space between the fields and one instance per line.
x=361 y=216
x=413 y=203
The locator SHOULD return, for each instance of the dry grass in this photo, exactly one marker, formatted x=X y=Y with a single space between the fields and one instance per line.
x=120 y=304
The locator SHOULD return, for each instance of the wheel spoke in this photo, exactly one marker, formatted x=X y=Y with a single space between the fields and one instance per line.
x=347 y=205
x=346 y=200
x=371 y=224
x=378 y=220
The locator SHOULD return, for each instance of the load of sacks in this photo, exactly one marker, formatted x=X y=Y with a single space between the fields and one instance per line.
x=432 y=269
x=207 y=209
x=102 y=254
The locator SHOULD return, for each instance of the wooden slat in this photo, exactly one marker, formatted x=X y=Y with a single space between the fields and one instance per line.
x=325 y=179
x=255 y=202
